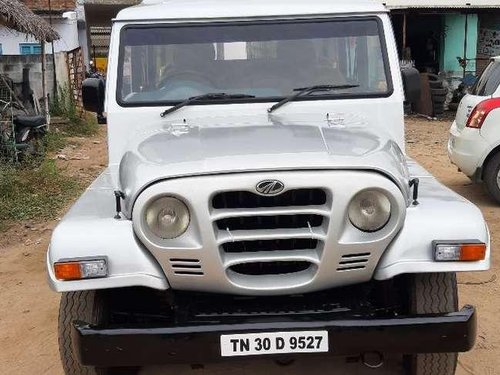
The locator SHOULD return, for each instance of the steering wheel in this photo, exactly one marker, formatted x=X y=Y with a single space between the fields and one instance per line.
x=190 y=75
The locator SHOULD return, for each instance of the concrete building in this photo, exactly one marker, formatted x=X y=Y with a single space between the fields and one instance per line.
x=96 y=23
x=59 y=13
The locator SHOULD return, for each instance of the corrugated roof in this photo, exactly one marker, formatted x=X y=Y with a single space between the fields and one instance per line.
x=459 y=4
x=15 y=15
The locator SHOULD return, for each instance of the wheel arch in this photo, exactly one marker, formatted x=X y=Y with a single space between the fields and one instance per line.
x=491 y=154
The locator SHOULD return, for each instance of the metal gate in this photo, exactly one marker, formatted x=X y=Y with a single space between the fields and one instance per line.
x=76 y=75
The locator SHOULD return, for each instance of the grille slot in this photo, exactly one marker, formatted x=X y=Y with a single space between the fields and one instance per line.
x=270 y=222
x=269 y=245
x=353 y=262
x=247 y=223
x=270 y=268
x=246 y=199
x=186 y=267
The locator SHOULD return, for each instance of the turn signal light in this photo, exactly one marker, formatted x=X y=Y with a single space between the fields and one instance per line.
x=465 y=252
x=83 y=269
x=472 y=252
x=481 y=111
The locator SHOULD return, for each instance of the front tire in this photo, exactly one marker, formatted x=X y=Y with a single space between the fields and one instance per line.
x=432 y=293
x=89 y=306
x=492 y=177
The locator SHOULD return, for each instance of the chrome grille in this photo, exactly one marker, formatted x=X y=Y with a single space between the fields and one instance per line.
x=257 y=234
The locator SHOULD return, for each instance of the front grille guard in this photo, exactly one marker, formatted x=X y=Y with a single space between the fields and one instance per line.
x=314 y=244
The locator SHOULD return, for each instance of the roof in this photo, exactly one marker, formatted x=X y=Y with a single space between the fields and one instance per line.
x=459 y=4
x=221 y=9
x=17 y=16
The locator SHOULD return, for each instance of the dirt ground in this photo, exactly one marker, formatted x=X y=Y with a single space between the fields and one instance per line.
x=28 y=309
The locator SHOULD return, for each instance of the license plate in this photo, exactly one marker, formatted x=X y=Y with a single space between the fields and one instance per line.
x=274 y=343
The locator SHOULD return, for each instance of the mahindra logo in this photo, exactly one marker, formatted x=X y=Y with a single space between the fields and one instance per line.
x=270 y=187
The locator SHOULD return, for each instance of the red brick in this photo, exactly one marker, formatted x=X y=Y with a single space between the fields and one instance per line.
x=56 y=5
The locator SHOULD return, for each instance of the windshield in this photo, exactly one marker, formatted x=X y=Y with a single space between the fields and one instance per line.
x=165 y=64
x=488 y=83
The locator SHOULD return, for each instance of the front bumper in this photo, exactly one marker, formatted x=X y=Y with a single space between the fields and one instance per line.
x=200 y=343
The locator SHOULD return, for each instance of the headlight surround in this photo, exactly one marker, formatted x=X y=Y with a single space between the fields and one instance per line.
x=370 y=210
x=167 y=217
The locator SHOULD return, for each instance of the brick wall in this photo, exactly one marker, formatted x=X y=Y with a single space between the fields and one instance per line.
x=55 y=5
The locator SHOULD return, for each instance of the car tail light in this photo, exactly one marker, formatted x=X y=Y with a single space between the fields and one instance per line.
x=481 y=111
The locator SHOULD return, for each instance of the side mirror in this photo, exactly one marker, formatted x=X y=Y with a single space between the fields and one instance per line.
x=93 y=95
x=411 y=84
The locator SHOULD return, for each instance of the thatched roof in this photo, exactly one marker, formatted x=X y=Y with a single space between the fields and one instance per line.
x=15 y=15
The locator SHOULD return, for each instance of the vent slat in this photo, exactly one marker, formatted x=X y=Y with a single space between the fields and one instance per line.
x=247 y=199
x=186 y=266
x=189 y=273
x=353 y=262
x=356 y=255
x=270 y=268
x=263 y=245
x=351 y=268
x=270 y=222
x=184 y=260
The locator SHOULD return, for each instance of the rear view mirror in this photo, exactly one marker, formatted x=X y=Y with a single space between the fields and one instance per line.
x=93 y=95
x=411 y=84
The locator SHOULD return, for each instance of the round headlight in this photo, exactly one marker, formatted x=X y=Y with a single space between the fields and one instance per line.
x=167 y=217
x=370 y=210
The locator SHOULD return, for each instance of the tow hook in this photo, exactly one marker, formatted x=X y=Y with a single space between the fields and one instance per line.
x=372 y=360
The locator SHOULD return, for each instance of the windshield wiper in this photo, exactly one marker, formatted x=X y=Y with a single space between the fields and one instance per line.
x=209 y=96
x=303 y=91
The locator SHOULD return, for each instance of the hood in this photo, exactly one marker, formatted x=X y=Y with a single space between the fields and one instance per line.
x=182 y=150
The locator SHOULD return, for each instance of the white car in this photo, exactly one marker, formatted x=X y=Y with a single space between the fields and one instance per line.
x=474 y=144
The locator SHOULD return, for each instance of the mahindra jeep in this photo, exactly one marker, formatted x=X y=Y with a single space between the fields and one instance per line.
x=258 y=199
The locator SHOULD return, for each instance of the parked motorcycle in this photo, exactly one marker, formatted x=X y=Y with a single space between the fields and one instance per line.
x=21 y=136
x=29 y=132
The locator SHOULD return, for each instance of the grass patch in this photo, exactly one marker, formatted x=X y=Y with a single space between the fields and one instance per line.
x=86 y=126
x=36 y=189
x=40 y=193
x=54 y=141
x=80 y=123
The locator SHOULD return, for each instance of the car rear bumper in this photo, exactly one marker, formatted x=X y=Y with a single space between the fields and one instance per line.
x=466 y=149
x=200 y=343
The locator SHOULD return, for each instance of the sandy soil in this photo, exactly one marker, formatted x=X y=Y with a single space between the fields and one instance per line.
x=28 y=309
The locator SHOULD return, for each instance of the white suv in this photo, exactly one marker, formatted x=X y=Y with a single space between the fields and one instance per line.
x=258 y=200
x=474 y=144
